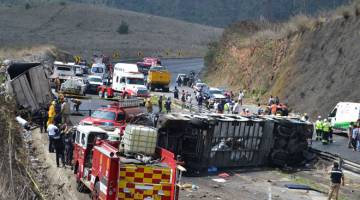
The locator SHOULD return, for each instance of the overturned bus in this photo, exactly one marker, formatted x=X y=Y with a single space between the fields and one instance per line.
x=222 y=141
x=29 y=84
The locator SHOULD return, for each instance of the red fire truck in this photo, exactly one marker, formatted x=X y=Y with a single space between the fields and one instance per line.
x=115 y=114
x=100 y=167
x=145 y=65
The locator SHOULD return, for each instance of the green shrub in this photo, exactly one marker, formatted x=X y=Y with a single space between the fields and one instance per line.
x=123 y=28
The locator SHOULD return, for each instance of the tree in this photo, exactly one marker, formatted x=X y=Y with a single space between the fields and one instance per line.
x=123 y=28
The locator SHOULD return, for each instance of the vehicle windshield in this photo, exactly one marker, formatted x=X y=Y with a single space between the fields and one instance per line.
x=158 y=68
x=104 y=115
x=97 y=70
x=135 y=81
x=63 y=68
x=215 y=92
x=94 y=79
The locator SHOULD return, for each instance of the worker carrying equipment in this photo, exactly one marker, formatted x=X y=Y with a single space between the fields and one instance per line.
x=318 y=128
x=326 y=132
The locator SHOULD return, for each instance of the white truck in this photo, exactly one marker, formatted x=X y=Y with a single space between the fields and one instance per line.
x=344 y=113
x=127 y=79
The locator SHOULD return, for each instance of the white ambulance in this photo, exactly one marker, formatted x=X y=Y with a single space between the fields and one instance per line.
x=344 y=113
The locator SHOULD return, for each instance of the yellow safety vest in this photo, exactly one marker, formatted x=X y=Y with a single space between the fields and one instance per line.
x=326 y=127
x=318 y=125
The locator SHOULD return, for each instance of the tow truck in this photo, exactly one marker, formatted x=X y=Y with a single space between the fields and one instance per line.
x=109 y=175
x=115 y=114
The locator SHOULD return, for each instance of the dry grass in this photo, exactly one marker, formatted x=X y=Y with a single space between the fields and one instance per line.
x=20 y=52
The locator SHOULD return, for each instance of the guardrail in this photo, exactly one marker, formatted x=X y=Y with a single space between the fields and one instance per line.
x=344 y=163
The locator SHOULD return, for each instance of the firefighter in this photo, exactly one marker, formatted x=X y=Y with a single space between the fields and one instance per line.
x=51 y=113
x=326 y=128
x=318 y=128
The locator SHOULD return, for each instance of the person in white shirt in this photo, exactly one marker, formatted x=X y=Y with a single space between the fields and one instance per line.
x=236 y=108
x=241 y=97
x=52 y=130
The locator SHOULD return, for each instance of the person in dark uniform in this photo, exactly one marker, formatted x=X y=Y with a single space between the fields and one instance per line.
x=43 y=119
x=337 y=178
x=59 y=145
x=68 y=141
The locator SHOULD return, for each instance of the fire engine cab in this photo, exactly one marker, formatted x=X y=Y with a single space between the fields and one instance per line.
x=111 y=175
x=115 y=114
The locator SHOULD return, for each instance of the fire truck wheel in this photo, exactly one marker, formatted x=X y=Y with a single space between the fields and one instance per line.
x=80 y=187
x=95 y=192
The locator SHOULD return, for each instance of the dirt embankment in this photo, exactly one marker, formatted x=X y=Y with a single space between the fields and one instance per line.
x=310 y=63
x=85 y=30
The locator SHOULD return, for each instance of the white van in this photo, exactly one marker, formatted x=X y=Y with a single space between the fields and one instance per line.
x=344 y=113
x=63 y=70
x=98 y=69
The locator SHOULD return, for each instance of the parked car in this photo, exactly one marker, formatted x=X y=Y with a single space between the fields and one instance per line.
x=75 y=86
x=215 y=94
x=201 y=87
x=94 y=82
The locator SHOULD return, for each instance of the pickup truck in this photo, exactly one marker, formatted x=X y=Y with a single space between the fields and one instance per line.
x=159 y=77
x=115 y=114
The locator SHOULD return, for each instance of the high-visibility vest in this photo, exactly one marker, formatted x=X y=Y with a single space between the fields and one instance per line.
x=318 y=125
x=326 y=127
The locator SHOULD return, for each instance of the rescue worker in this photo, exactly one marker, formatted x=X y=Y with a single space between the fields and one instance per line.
x=76 y=105
x=149 y=106
x=52 y=130
x=236 y=108
x=160 y=103
x=58 y=139
x=65 y=112
x=200 y=100
x=326 y=128
x=273 y=109
x=57 y=84
x=51 y=113
x=241 y=97
x=68 y=141
x=43 y=119
x=349 y=133
x=183 y=99
x=176 y=93
x=226 y=107
x=168 y=105
x=337 y=178
x=318 y=128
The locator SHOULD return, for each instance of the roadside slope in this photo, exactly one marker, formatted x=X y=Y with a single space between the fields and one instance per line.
x=86 y=29
x=312 y=65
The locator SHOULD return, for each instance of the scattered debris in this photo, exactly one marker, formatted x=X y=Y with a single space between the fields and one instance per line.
x=219 y=180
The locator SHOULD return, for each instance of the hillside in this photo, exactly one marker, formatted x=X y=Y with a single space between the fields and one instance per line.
x=311 y=63
x=222 y=13
x=219 y=13
x=86 y=29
